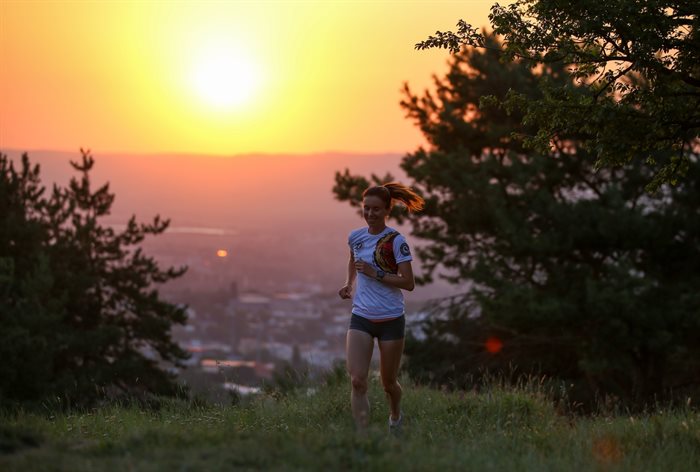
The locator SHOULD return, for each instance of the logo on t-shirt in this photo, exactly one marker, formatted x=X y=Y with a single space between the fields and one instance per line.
x=384 y=253
x=405 y=251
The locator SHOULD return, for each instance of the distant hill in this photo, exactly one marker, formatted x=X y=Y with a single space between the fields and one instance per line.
x=237 y=192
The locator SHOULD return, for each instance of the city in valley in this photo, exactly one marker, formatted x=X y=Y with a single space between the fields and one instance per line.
x=259 y=303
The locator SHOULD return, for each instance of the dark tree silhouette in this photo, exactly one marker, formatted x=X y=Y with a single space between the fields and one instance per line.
x=638 y=62
x=80 y=314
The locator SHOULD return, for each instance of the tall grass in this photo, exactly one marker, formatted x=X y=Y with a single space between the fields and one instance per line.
x=499 y=428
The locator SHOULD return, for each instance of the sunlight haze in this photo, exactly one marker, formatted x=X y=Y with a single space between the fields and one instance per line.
x=217 y=77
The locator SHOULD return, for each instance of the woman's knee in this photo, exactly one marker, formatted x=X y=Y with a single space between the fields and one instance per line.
x=390 y=385
x=359 y=383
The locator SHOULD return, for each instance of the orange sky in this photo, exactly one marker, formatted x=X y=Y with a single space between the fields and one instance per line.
x=217 y=77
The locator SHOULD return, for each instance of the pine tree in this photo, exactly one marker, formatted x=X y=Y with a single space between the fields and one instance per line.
x=29 y=314
x=638 y=62
x=81 y=314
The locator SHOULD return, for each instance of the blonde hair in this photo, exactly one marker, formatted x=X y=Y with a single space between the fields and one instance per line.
x=392 y=191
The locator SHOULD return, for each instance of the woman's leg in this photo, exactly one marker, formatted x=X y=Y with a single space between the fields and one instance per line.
x=358 y=347
x=390 y=360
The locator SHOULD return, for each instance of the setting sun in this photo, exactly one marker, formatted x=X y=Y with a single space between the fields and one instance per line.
x=217 y=78
x=224 y=76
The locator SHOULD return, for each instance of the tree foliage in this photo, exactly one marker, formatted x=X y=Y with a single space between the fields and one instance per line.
x=580 y=273
x=638 y=61
x=80 y=316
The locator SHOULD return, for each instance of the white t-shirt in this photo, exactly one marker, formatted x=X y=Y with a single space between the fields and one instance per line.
x=373 y=299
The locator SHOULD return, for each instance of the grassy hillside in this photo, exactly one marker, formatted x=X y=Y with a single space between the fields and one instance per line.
x=497 y=429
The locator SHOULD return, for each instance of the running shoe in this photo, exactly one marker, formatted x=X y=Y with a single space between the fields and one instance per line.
x=395 y=426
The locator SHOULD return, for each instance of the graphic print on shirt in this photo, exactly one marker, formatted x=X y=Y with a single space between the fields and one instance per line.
x=356 y=251
x=384 y=253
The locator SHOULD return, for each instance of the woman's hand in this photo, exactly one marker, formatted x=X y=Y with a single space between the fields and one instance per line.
x=364 y=268
x=345 y=292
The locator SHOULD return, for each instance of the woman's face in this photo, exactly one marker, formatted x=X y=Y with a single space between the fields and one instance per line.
x=374 y=210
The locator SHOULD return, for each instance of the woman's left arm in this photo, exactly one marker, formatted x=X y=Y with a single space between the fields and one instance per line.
x=402 y=279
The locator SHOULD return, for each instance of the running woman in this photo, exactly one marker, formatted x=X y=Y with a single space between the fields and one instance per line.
x=380 y=262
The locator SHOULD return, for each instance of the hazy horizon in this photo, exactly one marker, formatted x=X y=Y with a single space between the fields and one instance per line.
x=291 y=216
x=194 y=190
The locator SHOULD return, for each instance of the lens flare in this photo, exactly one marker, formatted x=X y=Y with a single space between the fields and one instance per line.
x=493 y=345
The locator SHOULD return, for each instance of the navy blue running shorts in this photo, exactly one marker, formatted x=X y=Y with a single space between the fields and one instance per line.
x=390 y=330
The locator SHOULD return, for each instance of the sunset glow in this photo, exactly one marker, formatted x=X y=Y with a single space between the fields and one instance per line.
x=218 y=78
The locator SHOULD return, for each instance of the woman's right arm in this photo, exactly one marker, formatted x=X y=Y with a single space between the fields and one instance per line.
x=346 y=291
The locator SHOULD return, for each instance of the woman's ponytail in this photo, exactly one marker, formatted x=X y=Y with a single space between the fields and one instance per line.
x=405 y=195
x=396 y=191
